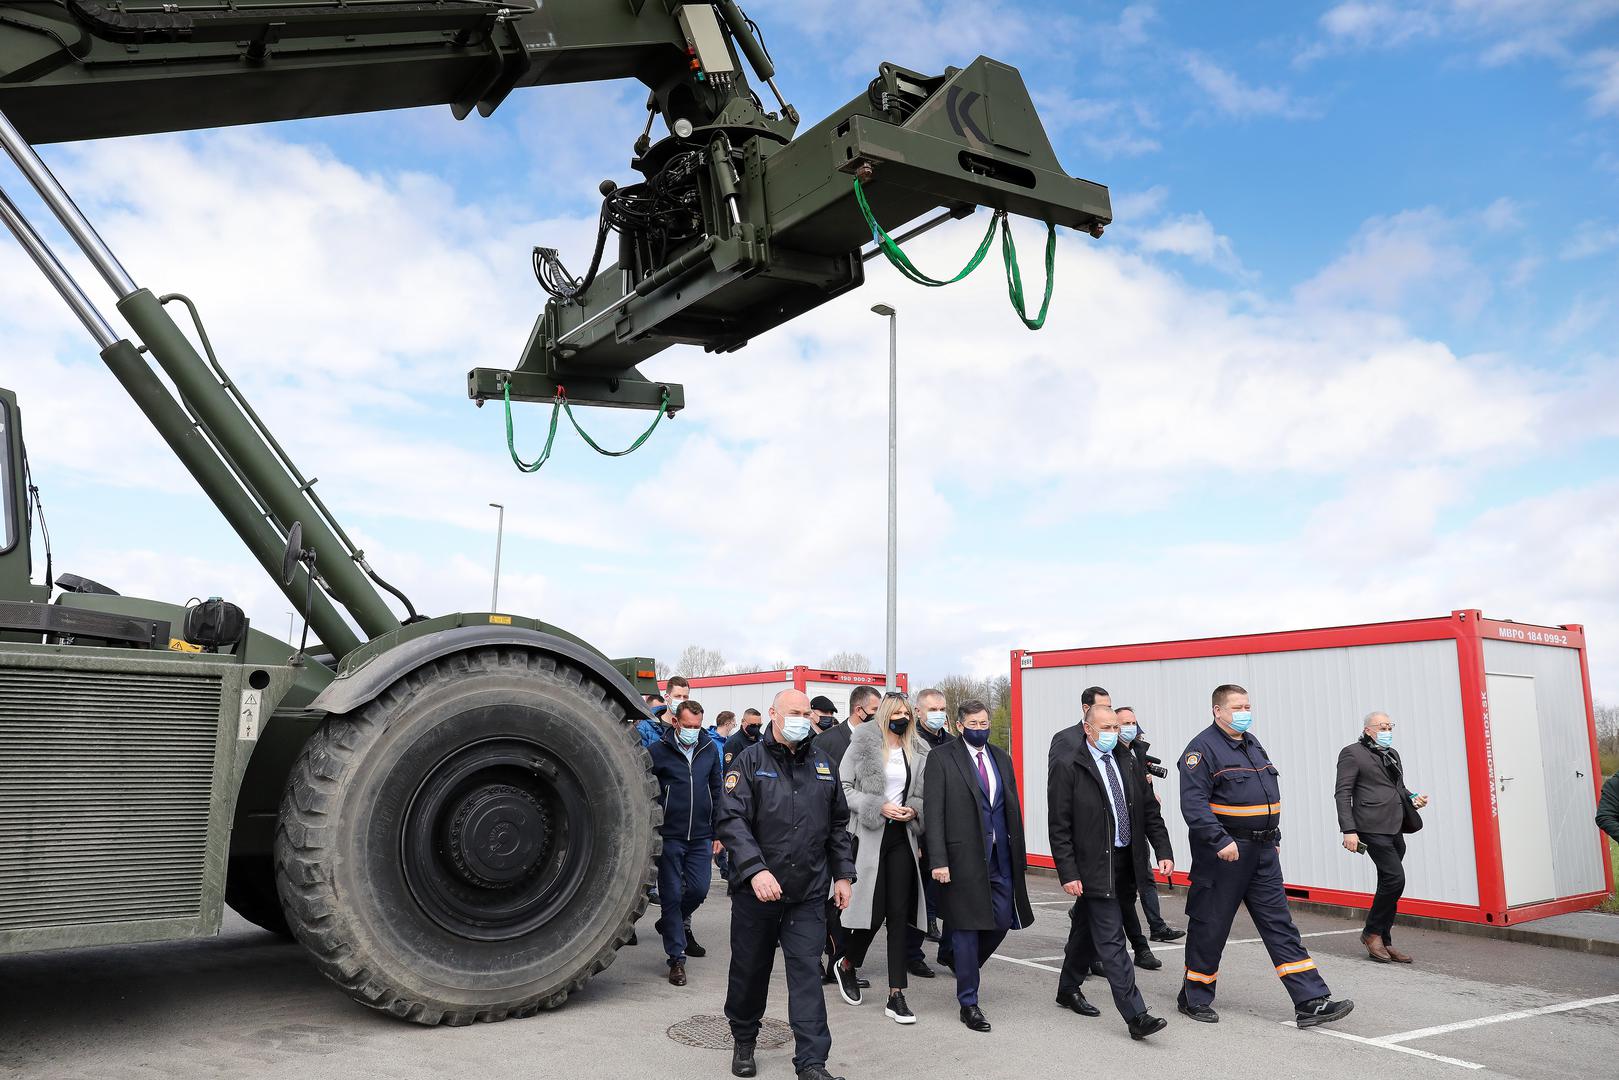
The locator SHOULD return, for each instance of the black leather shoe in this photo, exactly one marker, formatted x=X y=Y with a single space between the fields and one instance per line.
x=864 y=984
x=973 y=1017
x=920 y=969
x=1145 y=1024
x=932 y=933
x=692 y=948
x=1322 y=1011
x=1144 y=959
x=1168 y=933
x=816 y=1072
x=742 y=1063
x=1097 y=969
x=1203 y=1014
x=1076 y=1001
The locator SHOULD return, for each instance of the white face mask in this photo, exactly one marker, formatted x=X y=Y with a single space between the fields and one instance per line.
x=795 y=729
x=934 y=719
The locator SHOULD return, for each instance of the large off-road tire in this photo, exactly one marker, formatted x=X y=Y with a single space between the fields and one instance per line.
x=472 y=845
x=250 y=891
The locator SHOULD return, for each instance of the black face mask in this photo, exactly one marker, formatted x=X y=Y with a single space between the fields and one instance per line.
x=898 y=725
x=750 y=731
x=826 y=723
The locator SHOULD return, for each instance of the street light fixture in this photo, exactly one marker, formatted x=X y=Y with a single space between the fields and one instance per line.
x=888 y=313
x=500 y=534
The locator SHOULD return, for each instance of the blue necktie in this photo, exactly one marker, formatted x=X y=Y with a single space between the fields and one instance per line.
x=1118 y=800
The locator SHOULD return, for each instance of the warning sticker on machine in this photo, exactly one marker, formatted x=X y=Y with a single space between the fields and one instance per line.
x=248 y=728
x=177 y=645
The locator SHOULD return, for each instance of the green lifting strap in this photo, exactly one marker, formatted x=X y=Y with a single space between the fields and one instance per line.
x=558 y=407
x=1014 y=277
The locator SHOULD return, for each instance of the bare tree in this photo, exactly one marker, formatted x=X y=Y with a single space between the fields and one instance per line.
x=848 y=661
x=1607 y=718
x=663 y=669
x=696 y=661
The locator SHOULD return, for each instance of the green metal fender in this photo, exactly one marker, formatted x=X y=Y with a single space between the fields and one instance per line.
x=361 y=684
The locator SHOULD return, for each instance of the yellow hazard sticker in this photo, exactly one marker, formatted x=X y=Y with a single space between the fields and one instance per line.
x=731 y=781
x=502 y=620
x=1192 y=760
x=177 y=645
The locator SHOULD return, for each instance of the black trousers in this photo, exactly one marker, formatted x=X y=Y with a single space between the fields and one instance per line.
x=1081 y=949
x=757 y=928
x=893 y=903
x=1387 y=851
x=1101 y=932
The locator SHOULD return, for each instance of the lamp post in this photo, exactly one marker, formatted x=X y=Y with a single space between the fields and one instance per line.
x=500 y=533
x=888 y=313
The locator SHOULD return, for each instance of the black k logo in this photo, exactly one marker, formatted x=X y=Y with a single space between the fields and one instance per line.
x=958 y=106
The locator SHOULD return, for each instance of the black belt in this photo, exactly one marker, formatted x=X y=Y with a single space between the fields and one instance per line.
x=1259 y=836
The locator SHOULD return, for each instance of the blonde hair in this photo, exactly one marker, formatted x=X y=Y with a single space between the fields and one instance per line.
x=886 y=709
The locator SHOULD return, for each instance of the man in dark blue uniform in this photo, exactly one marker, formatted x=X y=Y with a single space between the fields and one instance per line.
x=1231 y=800
x=784 y=820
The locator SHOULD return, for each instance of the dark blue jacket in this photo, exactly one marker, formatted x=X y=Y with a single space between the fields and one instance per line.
x=1227 y=784
x=689 y=791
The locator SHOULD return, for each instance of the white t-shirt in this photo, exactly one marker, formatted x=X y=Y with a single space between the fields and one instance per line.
x=896 y=772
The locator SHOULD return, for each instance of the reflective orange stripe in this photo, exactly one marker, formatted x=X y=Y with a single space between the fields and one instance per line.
x=1257 y=810
x=1198 y=976
x=1295 y=967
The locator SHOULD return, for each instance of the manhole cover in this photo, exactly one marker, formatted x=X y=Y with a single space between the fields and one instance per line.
x=714 y=1033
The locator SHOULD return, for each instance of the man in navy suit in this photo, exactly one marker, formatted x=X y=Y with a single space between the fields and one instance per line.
x=973 y=822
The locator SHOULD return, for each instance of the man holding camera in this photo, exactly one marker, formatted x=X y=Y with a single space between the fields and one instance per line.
x=1149 y=768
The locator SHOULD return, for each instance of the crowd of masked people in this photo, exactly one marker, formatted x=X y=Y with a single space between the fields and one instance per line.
x=903 y=821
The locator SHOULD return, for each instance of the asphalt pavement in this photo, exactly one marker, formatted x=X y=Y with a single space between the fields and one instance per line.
x=246 y=1004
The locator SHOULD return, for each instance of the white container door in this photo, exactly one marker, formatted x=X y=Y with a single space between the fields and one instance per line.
x=1520 y=782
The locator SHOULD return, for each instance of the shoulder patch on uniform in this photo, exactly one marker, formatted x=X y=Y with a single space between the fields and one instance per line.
x=1192 y=760
x=731 y=780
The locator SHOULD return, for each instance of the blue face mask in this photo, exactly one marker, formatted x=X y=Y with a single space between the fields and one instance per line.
x=976 y=736
x=934 y=720
x=1241 y=721
x=1106 y=740
x=795 y=729
x=1385 y=738
x=1129 y=732
x=687 y=736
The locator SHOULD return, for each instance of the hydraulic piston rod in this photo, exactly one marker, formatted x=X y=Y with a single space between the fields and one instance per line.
x=225 y=424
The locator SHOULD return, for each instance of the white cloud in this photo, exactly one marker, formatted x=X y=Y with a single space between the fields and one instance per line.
x=1397 y=262
x=1234 y=97
x=1192 y=236
x=1591 y=238
x=1501 y=32
x=1599 y=72
x=753 y=523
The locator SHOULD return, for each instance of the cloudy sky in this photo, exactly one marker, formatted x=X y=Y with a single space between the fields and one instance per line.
x=1347 y=354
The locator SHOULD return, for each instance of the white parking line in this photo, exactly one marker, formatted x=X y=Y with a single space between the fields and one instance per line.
x=1158 y=945
x=1395 y=1042
x=1027 y=963
x=1500 y=1018
x=1413 y=1051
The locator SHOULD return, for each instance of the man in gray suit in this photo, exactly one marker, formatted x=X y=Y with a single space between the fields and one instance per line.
x=1372 y=796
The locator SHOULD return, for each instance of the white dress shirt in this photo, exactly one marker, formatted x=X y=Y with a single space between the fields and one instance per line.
x=1101 y=767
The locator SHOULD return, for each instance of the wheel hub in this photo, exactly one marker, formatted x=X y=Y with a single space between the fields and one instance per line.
x=496 y=838
x=498 y=835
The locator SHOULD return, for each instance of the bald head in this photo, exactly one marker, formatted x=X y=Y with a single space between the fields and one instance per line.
x=787 y=703
x=1100 y=718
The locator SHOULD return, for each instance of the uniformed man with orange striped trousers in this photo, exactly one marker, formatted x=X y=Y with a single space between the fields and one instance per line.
x=1231 y=800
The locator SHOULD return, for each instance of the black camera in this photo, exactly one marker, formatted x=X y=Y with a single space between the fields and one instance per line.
x=1155 y=767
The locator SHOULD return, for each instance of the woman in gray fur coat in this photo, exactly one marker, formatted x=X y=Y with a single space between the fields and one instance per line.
x=882 y=780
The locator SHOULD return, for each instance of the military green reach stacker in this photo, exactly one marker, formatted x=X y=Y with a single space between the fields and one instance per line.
x=451 y=813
